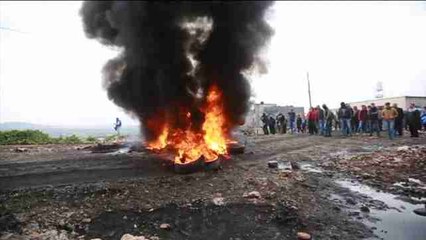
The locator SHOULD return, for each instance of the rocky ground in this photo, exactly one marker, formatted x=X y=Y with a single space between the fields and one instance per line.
x=68 y=192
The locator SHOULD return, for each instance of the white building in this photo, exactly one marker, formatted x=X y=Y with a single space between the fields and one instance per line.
x=253 y=121
x=402 y=102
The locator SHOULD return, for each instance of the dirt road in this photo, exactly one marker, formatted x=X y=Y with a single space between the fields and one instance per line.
x=64 y=192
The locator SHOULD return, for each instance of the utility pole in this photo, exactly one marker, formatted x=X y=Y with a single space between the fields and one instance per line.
x=309 y=89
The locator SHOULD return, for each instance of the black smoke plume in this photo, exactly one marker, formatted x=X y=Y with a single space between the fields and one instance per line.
x=173 y=51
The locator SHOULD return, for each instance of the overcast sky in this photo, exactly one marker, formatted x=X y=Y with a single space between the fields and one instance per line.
x=50 y=72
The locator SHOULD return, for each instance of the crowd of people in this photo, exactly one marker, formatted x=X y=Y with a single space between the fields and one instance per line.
x=349 y=120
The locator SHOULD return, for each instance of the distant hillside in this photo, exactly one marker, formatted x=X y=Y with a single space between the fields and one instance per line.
x=67 y=131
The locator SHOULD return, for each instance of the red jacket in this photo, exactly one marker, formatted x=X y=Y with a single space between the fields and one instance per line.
x=362 y=115
x=312 y=115
x=316 y=114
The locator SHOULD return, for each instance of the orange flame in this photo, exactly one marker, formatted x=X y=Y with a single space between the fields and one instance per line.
x=190 y=145
x=161 y=141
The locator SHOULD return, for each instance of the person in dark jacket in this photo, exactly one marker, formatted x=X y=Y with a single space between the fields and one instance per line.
x=281 y=123
x=373 y=116
x=345 y=114
x=321 y=120
x=413 y=118
x=329 y=118
x=291 y=120
x=117 y=125
x=265 y=121
x=399 y=119
x=354 y=120
x=381 y=118
x=271 y=125
x=299 y=123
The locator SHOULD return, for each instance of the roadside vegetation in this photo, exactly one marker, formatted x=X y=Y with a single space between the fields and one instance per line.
x=28 y=137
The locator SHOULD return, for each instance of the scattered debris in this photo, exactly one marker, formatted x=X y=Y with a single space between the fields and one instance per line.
x=365 y=209
x=399 y=170
x=86 y=220
x=131 y=237
x=165 y=226
x=21 y=149
x=294 y=165
x=403 y=148
x=303 y=236
x=253 y=194
x=218 y=200
x=420 y=211
x=273 y=164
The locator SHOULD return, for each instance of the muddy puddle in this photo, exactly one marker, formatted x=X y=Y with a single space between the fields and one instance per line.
x=387 y=215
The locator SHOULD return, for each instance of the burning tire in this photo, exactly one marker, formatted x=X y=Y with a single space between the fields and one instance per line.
x=190 y=167
x=213 y=165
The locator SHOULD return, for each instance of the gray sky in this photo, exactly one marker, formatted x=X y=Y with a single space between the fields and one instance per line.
x=50 y=72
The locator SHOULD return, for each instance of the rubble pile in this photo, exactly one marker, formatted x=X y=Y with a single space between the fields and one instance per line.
x=400 y=170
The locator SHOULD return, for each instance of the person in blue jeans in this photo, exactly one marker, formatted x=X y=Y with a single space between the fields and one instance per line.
x=329 y=118
x=389 y=114
x=373 y=119
x=344 y=115
x=321 y=120
x=362 y=119
x=291 y=119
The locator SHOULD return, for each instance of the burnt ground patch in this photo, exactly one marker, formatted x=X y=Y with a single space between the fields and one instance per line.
x=200 y=221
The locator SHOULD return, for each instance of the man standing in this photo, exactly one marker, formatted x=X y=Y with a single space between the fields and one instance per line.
x=117 y=125
x=389 y=114
x=373 y=115
x=271 y=125
x=355 y=121
x=362 y=119
x=329 y=117
x=321 y=120
x=299 y=123
x=413 y=118
x=281 y=123
x=291 y=119
x=311 y=121
x=344 y=115
x=265 y=121
x=399 y=119
x=381 y=118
